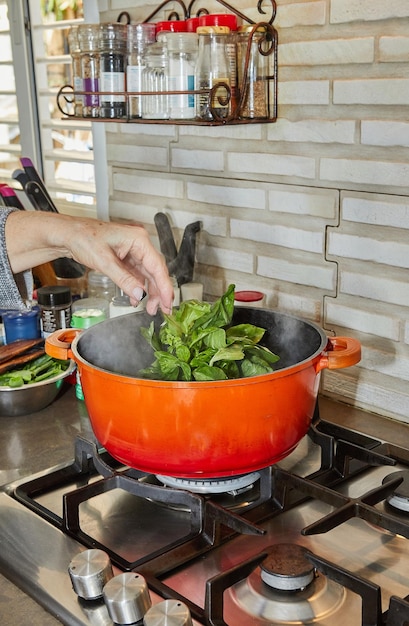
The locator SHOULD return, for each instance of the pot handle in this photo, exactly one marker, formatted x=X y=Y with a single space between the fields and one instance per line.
x=340 y=352
x=58 y=344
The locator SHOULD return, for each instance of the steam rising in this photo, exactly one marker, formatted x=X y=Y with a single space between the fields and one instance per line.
x=118 y=346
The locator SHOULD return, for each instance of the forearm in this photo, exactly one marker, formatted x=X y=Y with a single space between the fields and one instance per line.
x=33 y=238
x=125 y=253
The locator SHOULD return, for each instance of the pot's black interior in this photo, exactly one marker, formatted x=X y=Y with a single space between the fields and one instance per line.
x=118 y=346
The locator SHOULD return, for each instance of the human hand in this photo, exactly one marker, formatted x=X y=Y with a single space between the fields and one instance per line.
x=126 y=254
x=123 y=252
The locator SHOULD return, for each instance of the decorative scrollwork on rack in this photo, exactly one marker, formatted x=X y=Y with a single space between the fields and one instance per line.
x=66 y=95
x=188 y=11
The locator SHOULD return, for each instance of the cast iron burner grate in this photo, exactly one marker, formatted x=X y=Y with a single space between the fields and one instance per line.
x=343 y=454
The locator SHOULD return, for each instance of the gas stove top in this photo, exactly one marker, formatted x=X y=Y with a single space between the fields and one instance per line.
x=320 y=538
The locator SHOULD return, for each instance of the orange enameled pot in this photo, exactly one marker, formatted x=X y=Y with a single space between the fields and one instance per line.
x=201 y=429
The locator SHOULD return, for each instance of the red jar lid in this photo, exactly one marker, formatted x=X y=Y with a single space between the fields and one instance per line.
x=171 y=26
x=248 y=296
x=192 y=23
x=219 y=19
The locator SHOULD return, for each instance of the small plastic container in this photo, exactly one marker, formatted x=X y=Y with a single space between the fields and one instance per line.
x=21 y=325
x=55 y=308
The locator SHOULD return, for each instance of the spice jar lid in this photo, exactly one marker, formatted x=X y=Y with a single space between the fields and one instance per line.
x=139 y=35
x=171 y=26
x=54 y=296
x=88 y=37
x=219 y=19
x=213 y=30
x=113 y=36
x=192 y=23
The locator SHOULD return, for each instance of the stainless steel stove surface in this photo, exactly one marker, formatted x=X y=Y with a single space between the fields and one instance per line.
x=321 y=538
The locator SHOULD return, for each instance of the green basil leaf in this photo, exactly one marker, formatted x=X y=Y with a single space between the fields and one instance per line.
x=206 y=372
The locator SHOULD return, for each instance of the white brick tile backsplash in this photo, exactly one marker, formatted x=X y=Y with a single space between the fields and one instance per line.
x=138 y=155
x=210 y=160
x=227 y=259
x=365 y=172
x=222 y=195
x=362 y=320
x=388 y=363
x=367 y=10
x=305 y=92
x=392 y=252
x=301 y=14
x=328 y=52
x=394 y=49
x=375 y=394
x=304 y=201
x=389 y=91
x=300 y=305
x=278 y=235
x=307 y=274
x=390 y=133
x=406 y=332
x=283 y=164
x=149 y=185
x=314 y=131
x=376 y=209
x=382 y=289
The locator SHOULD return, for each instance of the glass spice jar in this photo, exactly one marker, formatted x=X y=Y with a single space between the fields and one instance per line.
x=88 y=39
x=212 y=67
x=155 y=81
x=113 y=55
x=182 y=55
x=254 y=85
x=139 y=37
x=77 y=82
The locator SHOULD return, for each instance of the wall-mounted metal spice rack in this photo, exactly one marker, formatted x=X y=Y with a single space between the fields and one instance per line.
x=220 y=92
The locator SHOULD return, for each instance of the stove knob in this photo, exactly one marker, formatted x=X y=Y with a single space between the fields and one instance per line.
x=127 y=598
x=89 y=572
x=168 y=613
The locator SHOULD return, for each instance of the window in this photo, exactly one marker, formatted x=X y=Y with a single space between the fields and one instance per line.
x=34 y=48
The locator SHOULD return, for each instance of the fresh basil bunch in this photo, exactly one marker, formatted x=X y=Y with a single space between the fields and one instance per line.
x=197 y=342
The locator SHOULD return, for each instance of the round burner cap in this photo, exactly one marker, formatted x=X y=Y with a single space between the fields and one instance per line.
x=286 y=568
x=400 y=497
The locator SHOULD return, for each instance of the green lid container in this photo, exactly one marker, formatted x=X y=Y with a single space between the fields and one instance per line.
x=85 y=318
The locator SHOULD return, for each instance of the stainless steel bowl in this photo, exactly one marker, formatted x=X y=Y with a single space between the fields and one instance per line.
x=32 y=397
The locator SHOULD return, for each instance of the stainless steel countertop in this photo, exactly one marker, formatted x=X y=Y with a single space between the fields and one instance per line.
x=29 y=444
x=36 y=442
